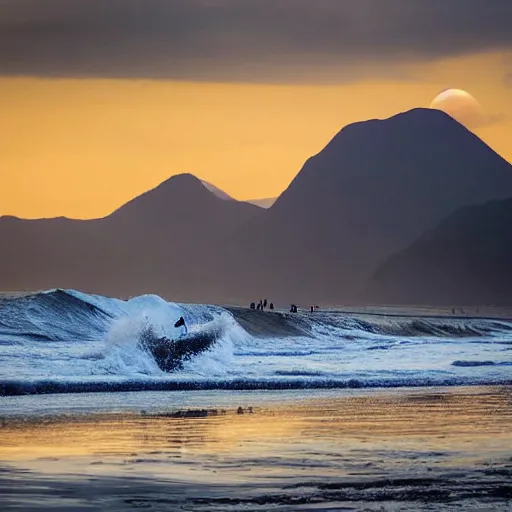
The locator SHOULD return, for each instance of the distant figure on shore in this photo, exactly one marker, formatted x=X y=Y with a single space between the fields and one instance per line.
x=312 y=309
x=264 y=303
x=271 y=306
x=252 y=305
x=293 y=308
x=258 y=307
x=261 y=304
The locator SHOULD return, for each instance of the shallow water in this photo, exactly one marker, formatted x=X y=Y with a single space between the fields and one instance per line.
x=422 y=449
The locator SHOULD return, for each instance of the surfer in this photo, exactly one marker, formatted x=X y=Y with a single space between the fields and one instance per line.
x=181 y=322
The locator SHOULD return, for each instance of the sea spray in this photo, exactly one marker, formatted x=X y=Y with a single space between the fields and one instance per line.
x=64 y=340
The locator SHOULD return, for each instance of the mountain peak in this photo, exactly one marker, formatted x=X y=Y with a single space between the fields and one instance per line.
x=179 y=190
x=417 y=118
x=179 y=180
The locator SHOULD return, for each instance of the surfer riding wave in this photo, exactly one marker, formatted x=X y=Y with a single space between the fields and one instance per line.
x=171 y=354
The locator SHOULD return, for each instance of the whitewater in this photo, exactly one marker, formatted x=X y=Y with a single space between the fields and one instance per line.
x=65 y=341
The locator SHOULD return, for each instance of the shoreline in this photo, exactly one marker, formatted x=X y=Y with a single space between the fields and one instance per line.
x=399 y=450
x=134 y=404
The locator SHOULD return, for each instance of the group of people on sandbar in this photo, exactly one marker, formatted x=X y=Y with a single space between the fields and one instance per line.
x=262 y=304
x=293 y=308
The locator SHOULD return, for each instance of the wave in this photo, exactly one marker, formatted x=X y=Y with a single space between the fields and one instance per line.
x=469 y=364
x=67 y=341
x=17 y=388
x=54 y=315
x=58 y=315
x=278 y=353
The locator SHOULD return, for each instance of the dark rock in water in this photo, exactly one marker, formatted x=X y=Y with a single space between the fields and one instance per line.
x=170 y=354
x=202 y=413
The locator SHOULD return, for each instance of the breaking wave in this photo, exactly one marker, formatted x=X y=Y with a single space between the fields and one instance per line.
x=68 y=341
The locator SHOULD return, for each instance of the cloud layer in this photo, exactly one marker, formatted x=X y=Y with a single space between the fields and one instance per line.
x=242 y=40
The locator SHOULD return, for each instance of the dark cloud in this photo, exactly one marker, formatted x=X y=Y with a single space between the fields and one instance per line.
x=246 y=40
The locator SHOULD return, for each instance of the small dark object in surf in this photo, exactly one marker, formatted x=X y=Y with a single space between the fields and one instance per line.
x=192 y=413
x=271 y=306
x=180 y=322
x=293 y=308
x=240 y=410
x=252 y=305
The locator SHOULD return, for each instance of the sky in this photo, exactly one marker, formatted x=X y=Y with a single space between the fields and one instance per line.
x=101 y=100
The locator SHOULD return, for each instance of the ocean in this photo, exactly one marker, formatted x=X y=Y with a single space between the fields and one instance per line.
x=66 y=341
x=329 y=410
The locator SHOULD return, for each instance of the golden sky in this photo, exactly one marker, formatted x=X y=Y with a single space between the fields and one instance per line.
x=81 y=147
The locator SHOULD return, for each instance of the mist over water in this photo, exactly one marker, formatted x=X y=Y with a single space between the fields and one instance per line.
x=67 y=341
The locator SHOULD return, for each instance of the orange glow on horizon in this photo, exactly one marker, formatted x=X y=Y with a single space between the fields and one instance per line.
x=82 y=147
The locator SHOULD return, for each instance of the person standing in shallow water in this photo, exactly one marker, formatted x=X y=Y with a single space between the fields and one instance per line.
x=271 y=306
x=265 y=303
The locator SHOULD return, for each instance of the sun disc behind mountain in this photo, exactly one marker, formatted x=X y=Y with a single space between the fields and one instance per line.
x=462 y=106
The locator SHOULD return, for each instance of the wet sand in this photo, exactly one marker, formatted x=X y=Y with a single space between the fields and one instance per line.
x=430 y=449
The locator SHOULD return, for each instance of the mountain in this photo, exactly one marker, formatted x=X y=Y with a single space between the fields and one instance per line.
x=159 y=242
x=463 y=261
x=217 y=191
x=266 y=202
x=369 y=193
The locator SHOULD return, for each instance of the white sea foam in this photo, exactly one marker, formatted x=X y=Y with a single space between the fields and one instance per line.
x=67 y=337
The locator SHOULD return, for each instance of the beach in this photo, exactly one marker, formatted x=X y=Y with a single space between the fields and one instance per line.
x=446 y=448
x=330 y=410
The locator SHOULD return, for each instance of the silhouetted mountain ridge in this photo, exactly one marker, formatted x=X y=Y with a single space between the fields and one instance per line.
x=156 y=243
x=374 y=189
x=371 y=191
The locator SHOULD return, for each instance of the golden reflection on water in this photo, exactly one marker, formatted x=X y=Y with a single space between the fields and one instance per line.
x=313 y=433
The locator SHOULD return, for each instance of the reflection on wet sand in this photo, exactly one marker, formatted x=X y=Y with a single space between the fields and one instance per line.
x=445 y=446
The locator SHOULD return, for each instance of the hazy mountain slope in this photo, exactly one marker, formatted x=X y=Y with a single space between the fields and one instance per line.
x=263 y=203
x=463 y=261
x=160 y=242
